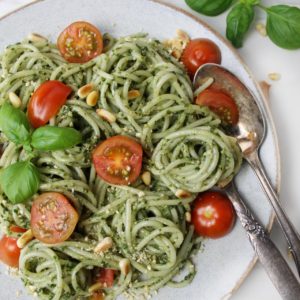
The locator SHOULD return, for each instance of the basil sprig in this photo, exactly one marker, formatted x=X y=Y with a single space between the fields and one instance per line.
x=283 y=21
x=209 y=7
x=238 y=23
x=20 y=181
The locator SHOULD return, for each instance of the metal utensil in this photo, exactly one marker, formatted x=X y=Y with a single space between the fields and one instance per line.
x=250 y=132
x=270 y=257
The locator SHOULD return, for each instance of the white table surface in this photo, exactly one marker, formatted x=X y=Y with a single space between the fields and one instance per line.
x=263 y=57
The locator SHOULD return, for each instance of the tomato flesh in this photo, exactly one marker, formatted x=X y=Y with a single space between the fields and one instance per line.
x=53 y=218
x=221 y=104
x=46 y=101
x=213 y=215
x=9 y=251
x=106 y=277
x=80 y=42
x=118 y=160
x=199 y=52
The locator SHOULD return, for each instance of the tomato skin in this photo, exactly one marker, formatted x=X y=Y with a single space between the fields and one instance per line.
x=14 y=228
x=9 y=251
x=221 y=104
x=213 y=215
x=199 y=52
x=106 y=277
x=80 y=42
x=46 y=101
x=118 y=160
x=53 y=218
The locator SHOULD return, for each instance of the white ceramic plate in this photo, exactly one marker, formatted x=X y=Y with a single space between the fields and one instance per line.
x=225 y=262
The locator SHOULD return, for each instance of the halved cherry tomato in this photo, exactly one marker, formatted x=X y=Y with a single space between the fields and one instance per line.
x=118 y=160
x=46 y=101
x=80 y=42
x=106 y=277
x=199 y=52
x=221 y=104
x=213 y=215
x=53 y=218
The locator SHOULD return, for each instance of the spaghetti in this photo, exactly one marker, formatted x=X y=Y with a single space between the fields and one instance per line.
x=185 y=149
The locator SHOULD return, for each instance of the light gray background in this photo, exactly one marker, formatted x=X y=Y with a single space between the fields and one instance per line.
x=263 y=57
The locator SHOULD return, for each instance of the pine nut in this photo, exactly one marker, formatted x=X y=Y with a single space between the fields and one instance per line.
x=133 y=94
x=85 y=90
x=124 y=265
x=106 y=115
x=182 y=36
x=176 y=53
x=261 y=29
x=34 y=37
x=146 y=177
x=182 y=194
x=14 y=99
x=274 y=76
x=96 y=287
x=104 y=245
x=188 y=217
x=25 y=238
x=92 y=98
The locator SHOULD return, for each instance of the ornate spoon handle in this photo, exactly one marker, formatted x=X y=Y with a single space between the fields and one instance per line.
x=288 y=229
x=277 y=268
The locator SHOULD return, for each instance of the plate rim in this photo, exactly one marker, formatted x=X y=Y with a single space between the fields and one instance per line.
x=265 y=103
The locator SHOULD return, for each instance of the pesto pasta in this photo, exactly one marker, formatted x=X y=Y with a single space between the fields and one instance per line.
x=185 y=149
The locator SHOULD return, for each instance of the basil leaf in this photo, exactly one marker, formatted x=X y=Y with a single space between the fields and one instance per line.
x=14 y=124
x=20 y=181
x=50 y=138
x=209 y=7
x=283 y=26
x=250 y=2
x=238 y=22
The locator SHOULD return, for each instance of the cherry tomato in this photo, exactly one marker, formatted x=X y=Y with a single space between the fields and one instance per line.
x=80 y=42
x=212 y=215
x=221 y=104
x=118 y=160
x=106 y=277
x=53 y=218
x=9 y=251
x=46 y=101
x=199 y=52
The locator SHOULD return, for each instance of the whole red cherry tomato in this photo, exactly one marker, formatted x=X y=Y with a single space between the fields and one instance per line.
x=213 y=215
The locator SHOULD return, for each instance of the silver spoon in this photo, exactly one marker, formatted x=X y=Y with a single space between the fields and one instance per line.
x=250 y=133
x=270 y=257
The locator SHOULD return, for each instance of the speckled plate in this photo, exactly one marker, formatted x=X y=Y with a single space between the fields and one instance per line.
x=225 y=262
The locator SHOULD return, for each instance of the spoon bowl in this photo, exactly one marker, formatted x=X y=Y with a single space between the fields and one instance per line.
x=250 y=130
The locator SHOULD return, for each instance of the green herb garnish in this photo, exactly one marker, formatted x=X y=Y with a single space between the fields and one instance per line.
x=20 y=181
x=283 y=21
